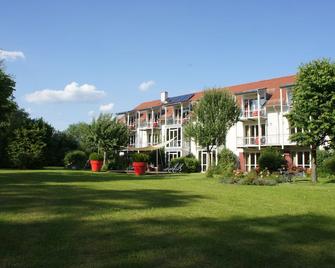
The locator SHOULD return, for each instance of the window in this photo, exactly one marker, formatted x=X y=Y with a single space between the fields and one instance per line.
x=153 y=139
x=302 y=159
x=132 y=140
x=251 y=160
x=172 y=155
x=175 y=134
x=251 y=134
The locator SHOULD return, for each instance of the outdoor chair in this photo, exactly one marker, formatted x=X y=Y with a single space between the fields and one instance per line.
x=179 y=169
x=170 y=169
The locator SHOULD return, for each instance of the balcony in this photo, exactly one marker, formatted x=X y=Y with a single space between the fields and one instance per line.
x=253 y=114
x=132 y=126
x=269 y=140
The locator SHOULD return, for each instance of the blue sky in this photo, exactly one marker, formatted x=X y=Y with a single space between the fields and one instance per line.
x=180 y=46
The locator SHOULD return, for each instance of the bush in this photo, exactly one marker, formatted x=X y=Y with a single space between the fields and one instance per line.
x=75 y=159
x=118 y=162
x=227 y=162
x=96 y=156
x=190 y=163
x=138 y=157
x=270 y=159
x=329 y=165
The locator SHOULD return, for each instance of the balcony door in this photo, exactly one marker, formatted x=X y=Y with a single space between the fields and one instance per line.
x=251 y=134
x=175 y=134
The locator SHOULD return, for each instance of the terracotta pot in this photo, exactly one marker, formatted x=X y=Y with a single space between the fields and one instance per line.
x=139 y=168
x=96 y=165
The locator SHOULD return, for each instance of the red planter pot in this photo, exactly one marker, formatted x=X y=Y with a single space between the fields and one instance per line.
x=96 y=165
x=139 y=168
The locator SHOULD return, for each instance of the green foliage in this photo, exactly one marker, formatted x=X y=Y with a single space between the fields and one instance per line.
x=108 y=134
x=7 y=104
x=270 y=159
x=213 y=116
x=314 y=107
x=314 y=103
x=75 y=159
x=227 y=162
x=105 y=167
x=322 y=155
x=139 y=157
x=27 y=148
x=80 y=132
x=190 y=163
x=210 y=172
x=58 y=146
x=329 y=165
x=96 y=156
x=118 y=162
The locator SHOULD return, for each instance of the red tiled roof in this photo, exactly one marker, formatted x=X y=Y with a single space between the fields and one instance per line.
x=272 y=86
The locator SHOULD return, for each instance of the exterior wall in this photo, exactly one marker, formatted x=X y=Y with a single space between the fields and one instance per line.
x=276 y=134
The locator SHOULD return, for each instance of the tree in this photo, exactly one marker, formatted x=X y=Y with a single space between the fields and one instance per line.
x=81 y=133
x=213 y=116
x=108 y=134
x=7 y=104
x=28 y=147
x=314 y=107
x=16 y=119
x=60 y=143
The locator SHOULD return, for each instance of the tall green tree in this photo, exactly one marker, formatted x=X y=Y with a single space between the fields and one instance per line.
x=108 y=134
x=213 y=116
x=314 y=107
x=7 y=104
x=28 y=147
x=81 y=133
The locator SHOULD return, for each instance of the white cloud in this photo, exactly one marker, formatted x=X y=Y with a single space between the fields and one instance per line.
x=72 y=92
x=91 y=113
x=106 y=108
x=11 y=55
x=146 y=85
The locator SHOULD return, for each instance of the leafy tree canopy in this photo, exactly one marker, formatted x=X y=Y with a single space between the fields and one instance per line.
x=7 y=104
x=314 y=106
x=213 y=116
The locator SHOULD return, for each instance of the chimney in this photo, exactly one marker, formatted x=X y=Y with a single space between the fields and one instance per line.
x=164 y=96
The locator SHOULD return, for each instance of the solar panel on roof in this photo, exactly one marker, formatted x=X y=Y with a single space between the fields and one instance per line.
x=181 y=98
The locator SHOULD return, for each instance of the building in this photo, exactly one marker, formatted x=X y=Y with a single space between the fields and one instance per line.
x=262 y=123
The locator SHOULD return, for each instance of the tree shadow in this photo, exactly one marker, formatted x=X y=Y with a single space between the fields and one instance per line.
x=278 y=241
x=64 y=176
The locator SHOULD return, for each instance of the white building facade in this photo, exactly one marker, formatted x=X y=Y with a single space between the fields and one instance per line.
x=262 y=123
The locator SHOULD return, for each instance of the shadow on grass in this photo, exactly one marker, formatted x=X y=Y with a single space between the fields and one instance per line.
x=33 y=176
x=279 y=241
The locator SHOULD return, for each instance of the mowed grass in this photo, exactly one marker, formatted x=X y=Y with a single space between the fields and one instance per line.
x=56 y=218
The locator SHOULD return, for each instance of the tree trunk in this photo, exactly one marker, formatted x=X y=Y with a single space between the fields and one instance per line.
x=209 y=164
x=105 y=156
x=314 y=165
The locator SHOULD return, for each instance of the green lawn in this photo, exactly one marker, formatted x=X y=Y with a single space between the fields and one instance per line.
x=79 y=219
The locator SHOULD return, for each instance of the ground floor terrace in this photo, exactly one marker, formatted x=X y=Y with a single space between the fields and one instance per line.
x=58 y=218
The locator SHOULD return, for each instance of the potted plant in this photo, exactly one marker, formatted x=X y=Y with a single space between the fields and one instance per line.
x=140 y=163
x=96 y=161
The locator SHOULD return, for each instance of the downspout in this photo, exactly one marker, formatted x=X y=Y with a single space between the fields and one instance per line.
x=259 y=120
x=281 y=132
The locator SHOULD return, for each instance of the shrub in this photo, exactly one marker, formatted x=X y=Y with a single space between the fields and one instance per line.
x=190 y=163
x=270 y=159
x=210 y=172
x=75 y=159
x=96 y=156
x=329 y=165
x=118 y=162
x=227 y=162
x=139 y=157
